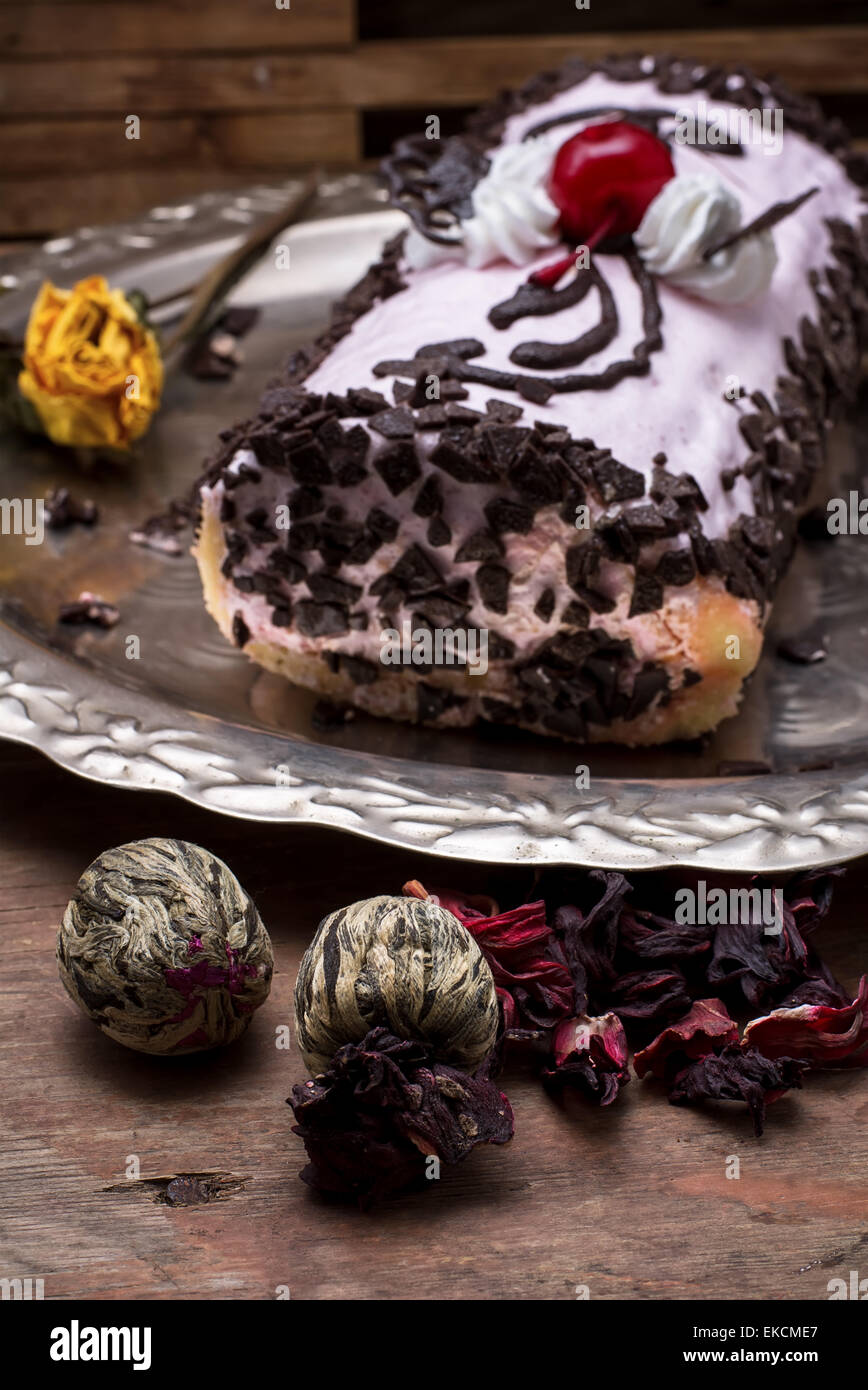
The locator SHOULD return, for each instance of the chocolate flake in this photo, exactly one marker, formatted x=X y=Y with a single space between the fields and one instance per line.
x=676 y=567
x=438 y=532
x=504 y=515
x=615 y=481
x=89 y=608
x=63 y=510
x=320 y=619
x=766 y=219
x=492 y=582
x=804 y=650
x=647 y=594
x=240 y=631
x=429 y=498
x=545 y=605
x=396 y=423
x=366 y=402
x=398 y=466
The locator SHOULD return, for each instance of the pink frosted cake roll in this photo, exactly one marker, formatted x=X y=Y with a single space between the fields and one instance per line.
x=569 y=418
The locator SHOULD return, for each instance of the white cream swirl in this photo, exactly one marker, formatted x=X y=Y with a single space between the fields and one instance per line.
x=692 y=213
x=513 y=216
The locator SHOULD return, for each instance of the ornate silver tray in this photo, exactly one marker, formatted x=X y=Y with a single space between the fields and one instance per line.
x=193 y=717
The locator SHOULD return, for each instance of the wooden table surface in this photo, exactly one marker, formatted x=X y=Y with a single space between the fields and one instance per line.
x=633 y=1201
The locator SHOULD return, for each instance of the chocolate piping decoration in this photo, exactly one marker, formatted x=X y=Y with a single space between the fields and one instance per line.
x=532 y=300
x=648 y=117
x=770 y=218
x=639 y=115
x=547 y=356
x=433 y=182
x=636 y=365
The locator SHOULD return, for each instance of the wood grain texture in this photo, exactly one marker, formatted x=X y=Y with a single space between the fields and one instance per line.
x=820 y=59
x=65 y=173
x=248 y=142
x=632 y=1201
x=59 y=28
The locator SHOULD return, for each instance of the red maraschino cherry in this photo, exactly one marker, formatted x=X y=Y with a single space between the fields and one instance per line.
x=603 y=180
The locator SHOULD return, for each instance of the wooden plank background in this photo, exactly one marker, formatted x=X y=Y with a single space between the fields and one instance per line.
x=232 y=92
x=633 y=1201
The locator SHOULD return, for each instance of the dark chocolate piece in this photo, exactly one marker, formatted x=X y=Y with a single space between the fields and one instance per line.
x=398 y=466
x=647 y=594
x=461 y=464
x=89 y=608
x=676 y=567
x=804 y=650
x=320 y=619
x=366 y=402
x=762 y=223
x=492 y=582
x=429 y=498
x=396 y=423
x=482 y=545
x=382 y=525
x=545 y=605
x=503 y=515
x=327 y=716
x=360 y=671
x=433 y=701
x=327 y=588
x=615 y=481
x=438 y=532
x=63 y=510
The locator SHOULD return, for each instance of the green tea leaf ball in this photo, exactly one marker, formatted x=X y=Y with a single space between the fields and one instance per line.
x=401 y=963
x=163 y=949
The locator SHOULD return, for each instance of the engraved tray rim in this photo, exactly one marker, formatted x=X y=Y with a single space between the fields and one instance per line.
x=109 y=733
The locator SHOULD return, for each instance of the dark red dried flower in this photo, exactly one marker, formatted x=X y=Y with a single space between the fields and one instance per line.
x=650 y=937
x=738 y=1073
x=650 y=996
x=761 y=963
x=533 y=985
x=820 y=989
x=707 y=1026
x=809 y=896
x=589 y=940
x=822 y=1035
x=764 y=964
x=384 y=1105
x=589 y=1054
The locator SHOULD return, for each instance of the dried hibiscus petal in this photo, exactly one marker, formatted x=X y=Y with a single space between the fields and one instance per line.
x=766 y=964
x=652 y=996
x=821 y=1034
x=762 y=962
x=589 y=1054
x=707 y=1026
x=822 y=988
x=809 y=896
x=533 y=985
x=382 y=1106
x=589 y=940
x=649 y=937
x=738 y=1074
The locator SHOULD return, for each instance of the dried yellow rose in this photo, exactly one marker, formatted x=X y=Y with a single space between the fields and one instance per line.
x=91 y=369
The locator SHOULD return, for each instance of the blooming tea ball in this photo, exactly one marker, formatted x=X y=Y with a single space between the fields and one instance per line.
x=163 y=949
x=401 y=963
